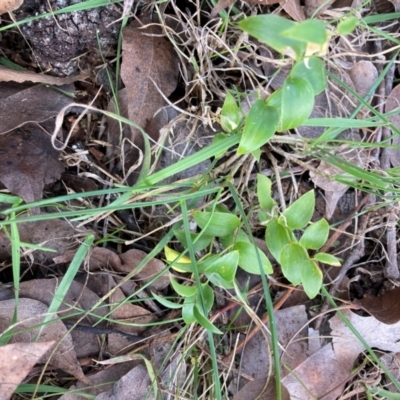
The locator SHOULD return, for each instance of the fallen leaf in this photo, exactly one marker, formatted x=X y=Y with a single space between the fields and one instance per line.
x=313 y=8
x=8 y=74
x=111 y=374
x=254 y=390
x=135 y=385
x=149 y=70
x=28 y=162
x=20 y=104
x=16 y=361
x=131 y=260
x=294 y=9
x=55 y=234
x=393 y=102
x=9 y=5
x=322 y=373
x=30 y=315
x=385 y=308
x=363 y=74
x=255 y=356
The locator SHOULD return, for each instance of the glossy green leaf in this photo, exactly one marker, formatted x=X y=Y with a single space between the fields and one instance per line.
x=312 y=70
x=260 y=126
x=230 y=114
x=327 y=259
x=202 y=242
x=316 y=235
x=293 y=257
x=218 y=138
x=267 y=28
x=297 y=102
x=166 y=303
x=248 y=259
x=204 y=322
x=208 y=296
x=309 y=31
x=225 y=266
x=187 y=312
x=217 y=223
x=265 y=199
x=277 y=237
x=347 y=25
x=237 y=236
x=311 y=277
x=183 y=290
x=299 y=214
x=218 y=281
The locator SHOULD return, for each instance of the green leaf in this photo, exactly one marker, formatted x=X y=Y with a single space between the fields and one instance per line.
x=217 y=223
x=293 y=258
x=187 y=311
x=203 y=321
x=225 y=266
x=208 y=296
x=230 y=114
x=311 y=277
x=264 y=184
x=268 y=28
x=277 y=237
x=312 y=70
x=238 y=236
x=203 y=241
x=327 y=259
x=218 y=138
x=183 y=290
x=299 y=214
x=297 y=102
x=248 y=259
x=165 y=302
x=260 y=126
x=310 y=31
x=347 y=25
x=316 y=235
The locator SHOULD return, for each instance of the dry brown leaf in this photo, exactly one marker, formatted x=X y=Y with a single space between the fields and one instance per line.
x=9 y=5
x=255 y=356
x=393 y=102
x=294 y=9
x=55 y=234
x=315 y=7
x=31 y=314
x=8 y=74
x=149 y=66
x=322 y=373
x=111 y=374
x=254 y=389
x=135 y=385
x=16 y=361
x=385 y=308
x=28 y=162
x=363 y=74
x=131 y=260
x=22 y=103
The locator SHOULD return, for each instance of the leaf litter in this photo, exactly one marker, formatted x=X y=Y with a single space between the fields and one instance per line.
x=111 y=296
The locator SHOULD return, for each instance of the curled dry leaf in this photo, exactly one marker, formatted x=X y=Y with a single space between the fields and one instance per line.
x=149 y=71
x=111 y=374
x=135 y=385
x=131 y=260
x=22 y=103
x=385 y=308
x=28 y=162
x=8 y=74
x=16 y=361
x=38 y=232
x=9 y=5
x=31 y=314
x=393 y=102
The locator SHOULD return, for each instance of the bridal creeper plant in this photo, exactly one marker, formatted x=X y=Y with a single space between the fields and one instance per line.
x=285 y=109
